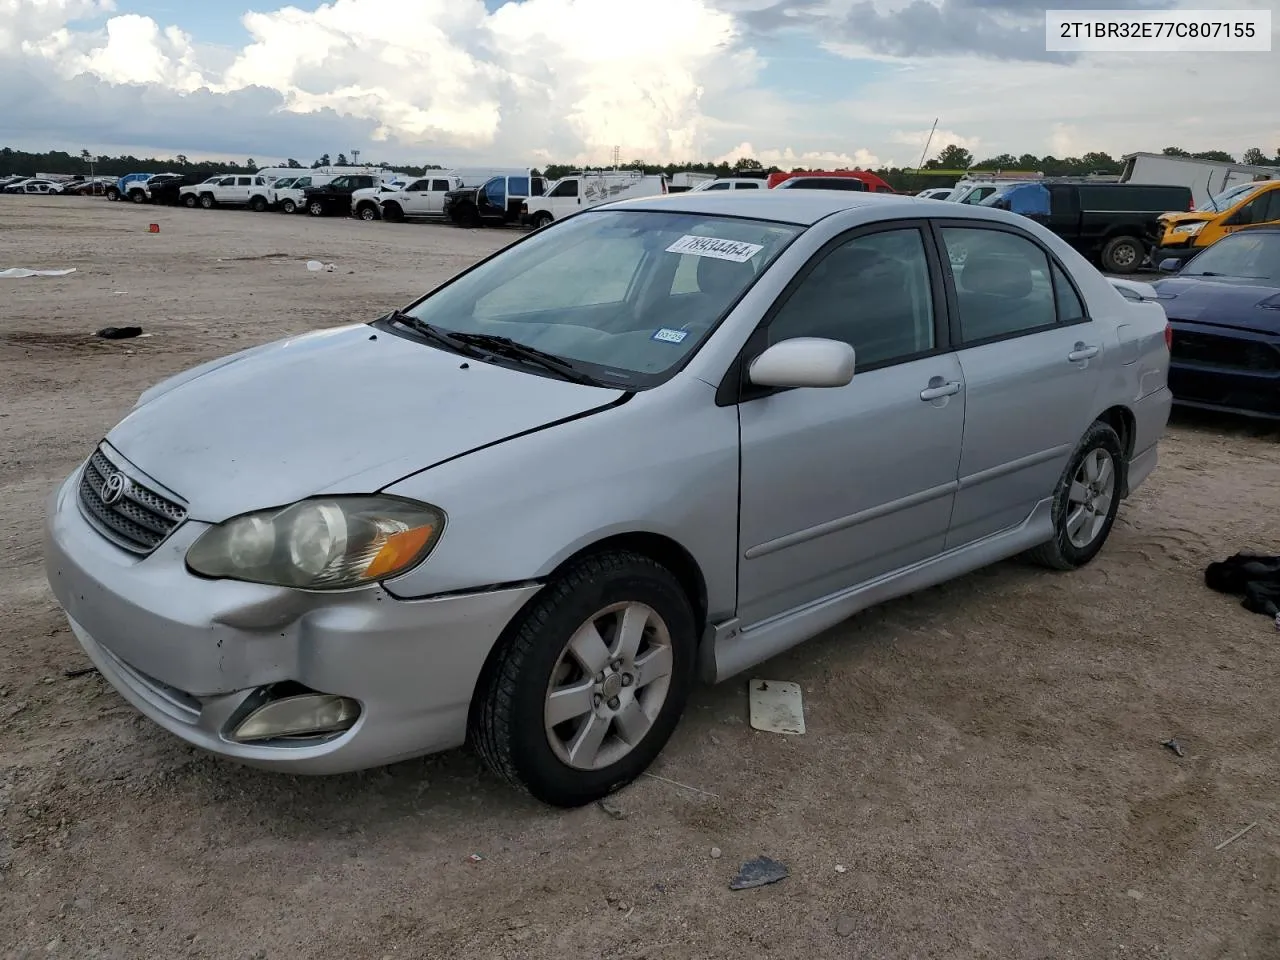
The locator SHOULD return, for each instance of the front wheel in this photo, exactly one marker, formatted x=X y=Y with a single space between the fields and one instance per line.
x=368 y=213
x=190 y=200
x=1123 y=254
x=138 y=196
x=586 y=692
x=258 y=204
x=289 y=207
x=1086 y=501
x=541 y=220
x=316 y=209
x=207 y=201
x=113 y=194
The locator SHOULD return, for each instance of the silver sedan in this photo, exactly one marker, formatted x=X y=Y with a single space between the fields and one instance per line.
x=658 y=440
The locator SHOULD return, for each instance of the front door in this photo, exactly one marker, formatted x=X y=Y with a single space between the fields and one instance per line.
x=844 y=484
x=417 y=198
x=1031 y=359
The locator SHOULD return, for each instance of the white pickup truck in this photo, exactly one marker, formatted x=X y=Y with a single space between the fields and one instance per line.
x=423 y=199
x=286 y=193
x=237 y=190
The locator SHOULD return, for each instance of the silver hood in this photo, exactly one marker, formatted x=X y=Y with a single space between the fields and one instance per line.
x=346 y=410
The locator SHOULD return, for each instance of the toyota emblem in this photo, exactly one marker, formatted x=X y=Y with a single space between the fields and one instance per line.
x=114 y=489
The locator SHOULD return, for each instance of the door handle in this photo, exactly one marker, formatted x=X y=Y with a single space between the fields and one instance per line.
x=1082 y=352
x=938 y=388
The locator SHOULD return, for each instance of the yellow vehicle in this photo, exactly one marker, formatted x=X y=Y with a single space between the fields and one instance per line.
x=1242 y=206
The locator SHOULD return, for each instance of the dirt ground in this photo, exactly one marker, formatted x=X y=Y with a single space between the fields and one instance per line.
x=982 y=774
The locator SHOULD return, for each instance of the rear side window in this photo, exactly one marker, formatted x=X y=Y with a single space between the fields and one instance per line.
x=244 y=181
x=439 y=186
x=748 y=186
x=518 y=186
x=1119 y=198
x=1066 y=300
x=1003 y=284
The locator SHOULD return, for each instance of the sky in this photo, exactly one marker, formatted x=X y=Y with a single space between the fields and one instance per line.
x=816 y=83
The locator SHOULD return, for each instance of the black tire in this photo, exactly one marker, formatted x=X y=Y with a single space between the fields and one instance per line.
x=112 y=194
x=258 y=204
x=393 y=212
x=207 y=202
x=137 y=196
x=1123 y=254
x=1060 y=553
x=190 y=201
x=541 y=220
x=367 y=212
x=289 y=207
x=316 y=209
x=506 y=724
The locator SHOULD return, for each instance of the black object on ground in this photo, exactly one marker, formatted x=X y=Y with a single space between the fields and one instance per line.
x=119 y=333
x=758 y=873
x=82 y=672
x=1255 y=576
x=1175 y=746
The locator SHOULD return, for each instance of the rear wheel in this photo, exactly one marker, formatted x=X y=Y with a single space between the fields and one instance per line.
x=1123 y=254
x=1086 y=501
x=289 y=207
x=586 y=692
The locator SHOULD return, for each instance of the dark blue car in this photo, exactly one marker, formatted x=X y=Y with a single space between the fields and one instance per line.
x=1224 y=308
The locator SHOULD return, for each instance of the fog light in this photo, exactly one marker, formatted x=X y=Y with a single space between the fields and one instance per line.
x=308 y=714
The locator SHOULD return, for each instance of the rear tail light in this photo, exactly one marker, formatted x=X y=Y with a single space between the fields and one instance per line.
x=1168 y=337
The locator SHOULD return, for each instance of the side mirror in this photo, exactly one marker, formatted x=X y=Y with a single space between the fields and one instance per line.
x=1170 y=265
x=803 y=362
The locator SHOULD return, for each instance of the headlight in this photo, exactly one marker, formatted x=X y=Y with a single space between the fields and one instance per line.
x=323 y=544
x=1188 y=229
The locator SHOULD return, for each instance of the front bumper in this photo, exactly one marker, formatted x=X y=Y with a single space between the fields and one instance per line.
x=1230 y=371
x=1182 y=253
x=188 y=652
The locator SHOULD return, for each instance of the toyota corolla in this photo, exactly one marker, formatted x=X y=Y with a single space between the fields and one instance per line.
x=660 y=439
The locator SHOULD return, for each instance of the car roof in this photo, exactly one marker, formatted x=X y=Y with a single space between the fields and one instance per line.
x=802 y=207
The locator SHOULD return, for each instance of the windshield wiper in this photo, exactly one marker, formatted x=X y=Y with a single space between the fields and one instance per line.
x=433 y=333
x=515 y=350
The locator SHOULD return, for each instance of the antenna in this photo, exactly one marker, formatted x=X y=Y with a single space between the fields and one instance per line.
x=926 y=145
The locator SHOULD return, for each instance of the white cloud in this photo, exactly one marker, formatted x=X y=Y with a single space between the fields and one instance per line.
x=789 y=159
x=569 y=80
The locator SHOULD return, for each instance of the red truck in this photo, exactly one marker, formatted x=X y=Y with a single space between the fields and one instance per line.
x=873 y=182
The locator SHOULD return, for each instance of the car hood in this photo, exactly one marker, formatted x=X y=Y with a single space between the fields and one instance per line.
x=346 y=410
x=1221 y=301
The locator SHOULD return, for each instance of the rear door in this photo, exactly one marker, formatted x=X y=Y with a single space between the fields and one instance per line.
x=845 y=484
x=1032 y=361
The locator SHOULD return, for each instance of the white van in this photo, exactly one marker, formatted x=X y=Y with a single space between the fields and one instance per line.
x=581 y=190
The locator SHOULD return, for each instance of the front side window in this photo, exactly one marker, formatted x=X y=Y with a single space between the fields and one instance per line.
x=495 y=191
x=418 y=186
x=719 y=186
x=519 y=186
x=873 y=292
x=601 y=289
x=566 y=188
x=1003 y=283
x=1263 y=208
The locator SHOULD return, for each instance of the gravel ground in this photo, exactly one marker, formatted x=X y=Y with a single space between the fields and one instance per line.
x=982 y=774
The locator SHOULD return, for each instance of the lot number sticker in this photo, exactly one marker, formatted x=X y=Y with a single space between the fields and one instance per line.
x=733 y=250
x=667 y=335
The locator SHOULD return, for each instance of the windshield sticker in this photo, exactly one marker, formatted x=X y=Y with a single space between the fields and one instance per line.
x=733 y=250
x=667 y=335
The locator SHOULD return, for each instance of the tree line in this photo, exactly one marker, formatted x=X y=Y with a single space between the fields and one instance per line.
x=942 y=170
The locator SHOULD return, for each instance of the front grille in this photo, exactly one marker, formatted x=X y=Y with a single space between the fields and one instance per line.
x=139 y=520
x=1216 y=351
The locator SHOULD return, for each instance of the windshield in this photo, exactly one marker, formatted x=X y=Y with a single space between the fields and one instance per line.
x=625 y=295
x=1242 y=255
x=1228 y=197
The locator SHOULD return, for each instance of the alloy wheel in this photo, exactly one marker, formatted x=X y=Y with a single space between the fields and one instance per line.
x=1089 y=500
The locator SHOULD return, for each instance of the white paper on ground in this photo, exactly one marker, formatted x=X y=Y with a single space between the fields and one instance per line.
x=17 y=273
x=776 y=706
